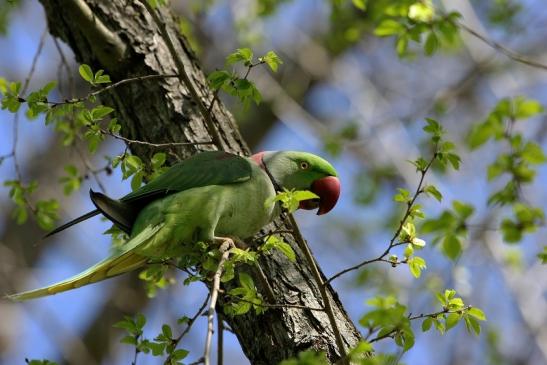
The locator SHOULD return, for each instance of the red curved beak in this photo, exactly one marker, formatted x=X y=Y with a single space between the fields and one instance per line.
x=328 y=191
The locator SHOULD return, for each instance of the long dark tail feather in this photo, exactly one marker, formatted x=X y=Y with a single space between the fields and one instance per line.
x=73 y=222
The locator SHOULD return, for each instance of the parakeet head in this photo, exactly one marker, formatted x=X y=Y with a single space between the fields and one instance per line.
x=303 y=171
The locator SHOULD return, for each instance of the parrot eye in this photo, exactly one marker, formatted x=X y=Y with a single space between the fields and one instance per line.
x=304 y=165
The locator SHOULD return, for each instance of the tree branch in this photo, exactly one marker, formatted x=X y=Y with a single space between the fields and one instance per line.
x=392 y=242
x=502 y=49
x=225 y=253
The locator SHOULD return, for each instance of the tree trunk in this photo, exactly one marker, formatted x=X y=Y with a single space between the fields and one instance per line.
x=121 y=37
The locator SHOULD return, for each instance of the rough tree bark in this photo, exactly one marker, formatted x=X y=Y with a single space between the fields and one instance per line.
x=121 y=37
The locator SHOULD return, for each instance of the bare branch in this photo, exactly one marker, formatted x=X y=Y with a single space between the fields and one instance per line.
x=220 y=341
x=191 y=321
x=225 y=253
x=150 y=144
x=503 y=50
x=392 y=242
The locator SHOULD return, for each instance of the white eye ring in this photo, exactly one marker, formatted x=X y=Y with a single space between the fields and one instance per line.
x=304 y=165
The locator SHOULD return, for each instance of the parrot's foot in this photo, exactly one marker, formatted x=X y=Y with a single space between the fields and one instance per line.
x=224 y=243
x=235 y=242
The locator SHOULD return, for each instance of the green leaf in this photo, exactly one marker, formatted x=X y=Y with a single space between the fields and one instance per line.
x=47 y=213
x=431 y=44
x=140 y=321
x=217 y=79
x=389 y=27
x=166 y=331
x=439 y=326
x=287 y=250
x=480 y=133
x=452 y=319
x=526 y=108
x=416 y=265
x=463 y=210
x=86 y=73
x=449 y=294
x=246 y=281
x=133 y=163
x=477 y=313
x=101 y=111
x=421 y=12
x=403 y=196
x=409 y=251
x=360 y=4
x=420 y=163
x=426 y=324
x=179 y=354
x=452 y=247
x=129 y=340
x=401 y=45
x=272 y=60
x=136 y=181
x=533 y=153
x=455 y=303
x=454 y=160
x=246 y=91
x=99 y=78
x=543 y=255
x=158 y=160
x=433 y=128
x=72 y=181
x=432 y=190
x=472 y=325
x=244 y=55
x=290 y=200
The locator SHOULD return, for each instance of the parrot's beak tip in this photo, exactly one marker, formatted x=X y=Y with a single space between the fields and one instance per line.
x=328 y=190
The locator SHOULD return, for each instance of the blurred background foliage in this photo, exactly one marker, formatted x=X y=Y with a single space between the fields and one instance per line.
x=357 y=81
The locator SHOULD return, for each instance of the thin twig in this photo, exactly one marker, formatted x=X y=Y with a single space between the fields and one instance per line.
x=183 y=75
x=150 y=144
x=90 y=169
x=392 y=242
x=215 y=94
x=137 y=351
x=64 y=63
x=264 y=281
x=225 y=253
x=5 y=157
x=502 y=49
x=16 y=119
x=101 y=90
x=412 y=318
x=191 y=321
x=220 y=341
x=322 y=289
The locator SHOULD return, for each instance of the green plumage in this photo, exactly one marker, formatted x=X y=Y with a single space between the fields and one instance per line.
x=213 y=194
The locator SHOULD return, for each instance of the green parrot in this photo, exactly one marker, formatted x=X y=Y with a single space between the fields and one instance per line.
x=207 y=197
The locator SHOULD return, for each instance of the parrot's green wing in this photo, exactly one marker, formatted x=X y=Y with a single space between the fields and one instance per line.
x=117 y=264
x=206 y=168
